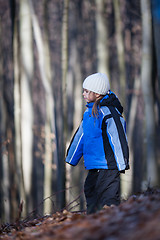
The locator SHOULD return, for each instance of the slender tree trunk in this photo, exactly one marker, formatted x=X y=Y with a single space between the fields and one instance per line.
x=65 y=63
x=120 y=49
x=127 y=178
x=26 y=78
x=102 y=39
x=156 y=26
x=9 y=190
x=17 y=114
x=64 y=67
x=155 y=7
x=151 y=165
x=74 y=176
x=65 y=44
x=4 y=167
x=45 y=71
x=1 y=137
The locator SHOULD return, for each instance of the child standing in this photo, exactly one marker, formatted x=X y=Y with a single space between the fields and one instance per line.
x=102 y=141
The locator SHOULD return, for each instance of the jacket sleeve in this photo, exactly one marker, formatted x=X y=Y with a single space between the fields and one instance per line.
x=118 y=142
x=75 y=150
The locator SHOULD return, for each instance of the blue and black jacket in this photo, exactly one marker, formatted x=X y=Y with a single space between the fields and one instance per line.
x=101 y=140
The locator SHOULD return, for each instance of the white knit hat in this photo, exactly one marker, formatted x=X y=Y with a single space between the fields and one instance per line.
x=98 y=83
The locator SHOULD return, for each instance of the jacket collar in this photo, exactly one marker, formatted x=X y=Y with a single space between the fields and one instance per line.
x=90 y=105
x=111 y=100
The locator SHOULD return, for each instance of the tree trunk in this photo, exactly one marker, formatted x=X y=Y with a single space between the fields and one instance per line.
x=26 y=77
x=17 y=113
x=102 y=39
x=121 y=53
x=64 y=65
x=155 y=7
x=4 y=166
x=45 y=71
x=151 y=164
x=8 y=163
x=65 y=49
x=127 y=179
x=74 y=176
x=64 y=68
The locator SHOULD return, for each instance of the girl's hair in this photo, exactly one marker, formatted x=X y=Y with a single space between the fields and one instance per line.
x=96 y=106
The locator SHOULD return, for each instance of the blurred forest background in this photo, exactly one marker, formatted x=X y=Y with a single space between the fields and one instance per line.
x=47 y=49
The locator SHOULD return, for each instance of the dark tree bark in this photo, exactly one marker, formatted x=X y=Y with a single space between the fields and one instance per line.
x=150 y=154
x=7 y=111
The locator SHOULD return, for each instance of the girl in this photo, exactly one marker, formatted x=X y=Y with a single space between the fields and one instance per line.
x=102 y=141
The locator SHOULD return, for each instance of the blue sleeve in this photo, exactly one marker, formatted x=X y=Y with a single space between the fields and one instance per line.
x=115 y=142
x=75 y=150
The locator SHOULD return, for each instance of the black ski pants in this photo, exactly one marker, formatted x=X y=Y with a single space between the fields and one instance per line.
x=102 y=187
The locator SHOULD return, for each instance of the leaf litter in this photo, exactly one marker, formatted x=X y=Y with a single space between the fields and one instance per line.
x=136 y=218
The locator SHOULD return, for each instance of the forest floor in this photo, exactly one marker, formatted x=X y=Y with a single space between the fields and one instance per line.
x=136 y=218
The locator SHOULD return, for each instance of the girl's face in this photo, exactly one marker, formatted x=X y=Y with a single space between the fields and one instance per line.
x=89 y=96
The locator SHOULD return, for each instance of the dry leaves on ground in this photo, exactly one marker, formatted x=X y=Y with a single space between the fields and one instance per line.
x=136 y=218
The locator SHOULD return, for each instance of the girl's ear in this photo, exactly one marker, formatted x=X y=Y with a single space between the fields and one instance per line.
x=97 y=95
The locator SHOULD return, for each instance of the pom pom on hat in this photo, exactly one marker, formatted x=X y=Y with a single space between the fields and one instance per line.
x=98 y=83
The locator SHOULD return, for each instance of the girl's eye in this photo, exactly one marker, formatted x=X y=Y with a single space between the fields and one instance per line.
x=86 y=91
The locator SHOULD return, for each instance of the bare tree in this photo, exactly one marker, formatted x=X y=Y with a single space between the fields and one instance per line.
x=17 y=113
x=121 y=52
x=74 y=176
x=45 y=71
x=151 y=164
x=8 y=203
x=155 y=8
x=101 y=37
x=26 y=77
x=64 y=64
